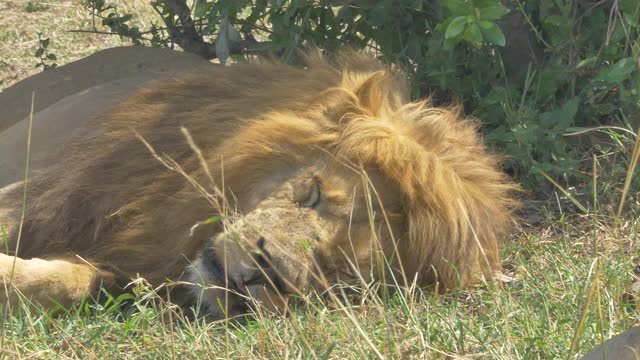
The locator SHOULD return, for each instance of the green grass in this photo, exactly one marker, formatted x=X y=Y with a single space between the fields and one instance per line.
x=34 y=6
x=532 y=317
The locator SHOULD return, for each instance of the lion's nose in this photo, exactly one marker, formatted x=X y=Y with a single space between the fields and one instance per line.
x=261 y=271
x=261 y=257
x=260 y=243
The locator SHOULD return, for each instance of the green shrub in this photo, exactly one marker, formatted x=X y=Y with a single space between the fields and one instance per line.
x=531 y=70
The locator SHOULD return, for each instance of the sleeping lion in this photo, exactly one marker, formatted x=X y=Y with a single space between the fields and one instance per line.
x=260 y=182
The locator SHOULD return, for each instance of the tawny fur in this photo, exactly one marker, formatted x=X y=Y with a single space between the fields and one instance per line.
x=116 y=206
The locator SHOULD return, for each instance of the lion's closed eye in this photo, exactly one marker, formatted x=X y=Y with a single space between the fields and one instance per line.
x=313 y=195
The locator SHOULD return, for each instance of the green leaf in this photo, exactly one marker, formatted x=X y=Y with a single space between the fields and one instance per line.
x=631 y=9
x=201 y=8
x=449 y=44
x=213 y=220
x=631 y=20
x=473 y=34
x=620 y=71
x=485 y=3
x=586 y=62
x=39 y=52
x=486 y=24
x=458 y=7
x=561 y=118
x=493 y=12
x=52 y=57
x=555 y=20
x=494 y=35
x=456 y=27
x=570 y=108
x=305 y=244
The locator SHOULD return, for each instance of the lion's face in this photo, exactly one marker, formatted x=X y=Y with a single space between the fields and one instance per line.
x=305 y=229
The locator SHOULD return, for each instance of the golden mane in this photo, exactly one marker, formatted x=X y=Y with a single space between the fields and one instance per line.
x=458 y=203
x=112 y=202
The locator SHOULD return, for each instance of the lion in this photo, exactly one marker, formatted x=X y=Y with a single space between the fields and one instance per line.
x=264 y=181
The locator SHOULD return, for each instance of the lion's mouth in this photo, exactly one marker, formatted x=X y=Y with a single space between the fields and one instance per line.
x=237 y=302
x=243 y=291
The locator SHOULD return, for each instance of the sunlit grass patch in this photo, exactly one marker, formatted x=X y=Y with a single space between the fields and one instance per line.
x=534 y=316
x=22 y=20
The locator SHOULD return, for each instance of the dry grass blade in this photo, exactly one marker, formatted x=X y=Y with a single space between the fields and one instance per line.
x=601 y=128
x=214 y=199
x=8 y=287
x=635 y=154
x=566 y=193
x=585 y=309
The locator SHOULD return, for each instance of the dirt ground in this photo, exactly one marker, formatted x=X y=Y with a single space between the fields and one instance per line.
x=22 y=20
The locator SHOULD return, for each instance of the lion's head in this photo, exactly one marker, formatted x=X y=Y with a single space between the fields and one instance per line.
x=360 y=184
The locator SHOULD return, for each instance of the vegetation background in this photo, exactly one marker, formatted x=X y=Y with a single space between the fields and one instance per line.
x=555 y=84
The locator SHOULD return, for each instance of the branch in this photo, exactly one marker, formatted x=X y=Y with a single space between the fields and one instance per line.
x=107 y=32
x=188 y=37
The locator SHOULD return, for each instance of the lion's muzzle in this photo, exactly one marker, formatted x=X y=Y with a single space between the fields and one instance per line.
x=263 y=257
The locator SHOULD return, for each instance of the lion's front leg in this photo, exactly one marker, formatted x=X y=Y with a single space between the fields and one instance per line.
x=47 y=282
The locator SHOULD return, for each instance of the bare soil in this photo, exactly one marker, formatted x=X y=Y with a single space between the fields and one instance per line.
x=22 y=20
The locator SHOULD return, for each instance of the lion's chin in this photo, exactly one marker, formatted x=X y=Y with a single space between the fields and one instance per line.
x=210 y=294
x=221 y=299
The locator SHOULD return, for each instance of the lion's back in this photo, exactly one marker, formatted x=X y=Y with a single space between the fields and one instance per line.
x=109 y=197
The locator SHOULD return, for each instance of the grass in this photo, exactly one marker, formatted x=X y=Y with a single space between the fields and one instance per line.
x=33 y=6
x=21 y=20
x=533 y=317
x=536 y=316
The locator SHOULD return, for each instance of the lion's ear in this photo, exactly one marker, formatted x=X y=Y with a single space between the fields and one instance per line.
x=380 y=91
x=371 y=95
